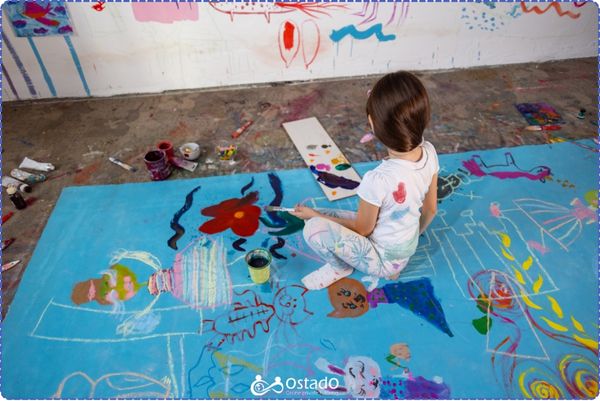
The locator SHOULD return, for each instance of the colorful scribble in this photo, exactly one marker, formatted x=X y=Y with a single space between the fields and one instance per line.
x=351 y=30
x=507 y=170
x=250 y=313
x=238 y=214
x=165 y=13
x=257 y=8
x=33 y=18
x=555 y=5
x=126 y=385
x=363 y=379
x=350 y=298
x=539 y=114
x=372 y=9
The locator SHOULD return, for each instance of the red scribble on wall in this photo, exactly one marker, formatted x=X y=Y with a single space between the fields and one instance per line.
x=289 y=43
x=292 y=38
x=288 y=35
x=248 y=8
x=579 y=3
x=99 y=6
x=311 y=42
x=554 y=5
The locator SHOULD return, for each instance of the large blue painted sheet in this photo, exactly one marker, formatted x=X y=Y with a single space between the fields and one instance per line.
x=510 y=264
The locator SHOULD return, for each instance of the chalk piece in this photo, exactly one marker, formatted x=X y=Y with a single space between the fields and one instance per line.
x=305 y=134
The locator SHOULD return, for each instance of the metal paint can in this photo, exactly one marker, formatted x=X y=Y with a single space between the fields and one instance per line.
x=259 y=265
x=158 y=165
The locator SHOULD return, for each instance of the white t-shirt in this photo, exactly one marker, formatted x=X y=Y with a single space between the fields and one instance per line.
x=398 y=187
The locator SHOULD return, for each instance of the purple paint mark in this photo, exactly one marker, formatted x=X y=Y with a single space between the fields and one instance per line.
x=538 y=247
x=273 y=249
x=275 y=182
x=509 y=170
x=178 y=228
x=333 y=181
x=247 y=186
x=299 y=106
x=237 y=245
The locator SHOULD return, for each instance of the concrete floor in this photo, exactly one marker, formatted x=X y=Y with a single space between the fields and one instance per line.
x=472 y=109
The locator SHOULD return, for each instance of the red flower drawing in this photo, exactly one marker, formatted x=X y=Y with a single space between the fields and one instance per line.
x=400 y=194
x=241 y=215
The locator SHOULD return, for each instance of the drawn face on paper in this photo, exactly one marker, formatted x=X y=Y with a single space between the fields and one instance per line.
x=363 y=377
x=348 y=298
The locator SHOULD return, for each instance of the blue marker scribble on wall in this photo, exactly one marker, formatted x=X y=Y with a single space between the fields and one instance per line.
x=337 y=35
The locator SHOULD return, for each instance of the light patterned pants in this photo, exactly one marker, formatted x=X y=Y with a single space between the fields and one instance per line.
x=344 y=249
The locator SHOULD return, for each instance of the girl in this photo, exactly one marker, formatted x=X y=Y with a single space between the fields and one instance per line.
x=397 y=200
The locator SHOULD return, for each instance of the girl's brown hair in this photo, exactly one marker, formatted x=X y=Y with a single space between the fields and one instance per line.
x=399 y=108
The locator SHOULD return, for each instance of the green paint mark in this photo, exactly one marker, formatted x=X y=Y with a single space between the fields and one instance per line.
x=342 y=167
x=483 y=324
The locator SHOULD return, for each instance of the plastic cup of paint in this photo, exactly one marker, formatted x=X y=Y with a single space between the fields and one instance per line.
x=190 y=151
x=226 y=151
x=259 y=265
x=166 y=147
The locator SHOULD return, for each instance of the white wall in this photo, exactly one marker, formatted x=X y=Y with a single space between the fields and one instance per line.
x=120 y=54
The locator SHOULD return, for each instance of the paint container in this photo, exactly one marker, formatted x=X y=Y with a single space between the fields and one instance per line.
x=16 y=198
x=259 y=265
x=190 y=151
x=158 y=165
x=226 y=151
x=166 y=147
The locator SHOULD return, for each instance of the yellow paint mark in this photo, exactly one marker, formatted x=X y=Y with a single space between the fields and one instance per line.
x=555 y=326
x=505 y=239
x=577 y=325
x=527 y=264
x=555 y=306
x=529 y=302
x=311 y=160
x=519 y=276
x=538 y=284
x=225 y=361
x=507 y=255
x=586 y=341
x=334 y=193
x=218 y=395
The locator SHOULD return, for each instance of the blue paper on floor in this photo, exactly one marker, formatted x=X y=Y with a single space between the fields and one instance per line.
x=142 y=291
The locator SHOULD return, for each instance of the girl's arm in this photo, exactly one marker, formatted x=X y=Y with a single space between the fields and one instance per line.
x=429 y=208
x=365 y=221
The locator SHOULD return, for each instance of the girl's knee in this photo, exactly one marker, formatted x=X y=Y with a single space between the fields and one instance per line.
x=313 y=226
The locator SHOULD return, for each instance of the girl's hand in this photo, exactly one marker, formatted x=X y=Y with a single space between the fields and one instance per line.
x=304 y=213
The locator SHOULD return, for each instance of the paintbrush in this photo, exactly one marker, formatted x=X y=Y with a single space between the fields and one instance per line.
x=10 y=265
x=543 y=128
x=121 y=164
x=279 y=209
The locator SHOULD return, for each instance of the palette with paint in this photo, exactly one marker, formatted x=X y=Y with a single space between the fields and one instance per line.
x=329 y=166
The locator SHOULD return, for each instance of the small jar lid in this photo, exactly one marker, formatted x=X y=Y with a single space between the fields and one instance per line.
x=11 y=190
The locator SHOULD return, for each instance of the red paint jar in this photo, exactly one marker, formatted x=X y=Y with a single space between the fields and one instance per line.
x=158 y=165
x=166 y=147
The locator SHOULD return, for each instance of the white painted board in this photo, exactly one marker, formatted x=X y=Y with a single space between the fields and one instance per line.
x=329 y=166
